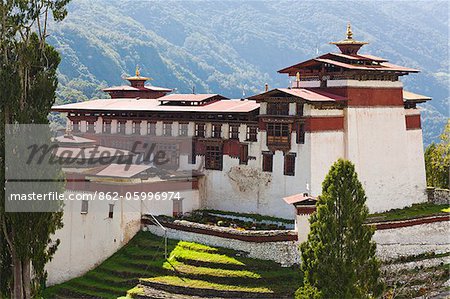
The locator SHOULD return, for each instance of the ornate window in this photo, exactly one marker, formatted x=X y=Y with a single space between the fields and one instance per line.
x=167 y=129
x=267 y=163
x=106 y=127
x=213 y=157
x=216 y=131
x=121 y=127
x=200 y=130
x=91 y=127
x=183 y=129
x=301 y=133
x=278 y=133
x=299 y=109
x=151 y=128
x=234 y=132
x=76 y=126
x=289 y=164
x=252 y=133
x=277 y=108
x=136 y=128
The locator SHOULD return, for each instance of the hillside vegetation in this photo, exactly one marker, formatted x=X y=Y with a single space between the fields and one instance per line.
x=234 y=47
x=189 y=265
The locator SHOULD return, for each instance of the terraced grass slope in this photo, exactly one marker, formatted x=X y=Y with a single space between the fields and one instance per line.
x=189 y=265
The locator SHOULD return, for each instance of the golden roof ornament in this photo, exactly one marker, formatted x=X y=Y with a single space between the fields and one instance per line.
x=138 y=71
x=349 y=45
x=349 y=31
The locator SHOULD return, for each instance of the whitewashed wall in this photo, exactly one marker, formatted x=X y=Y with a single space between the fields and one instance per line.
x=88 y=239
x=377 y=142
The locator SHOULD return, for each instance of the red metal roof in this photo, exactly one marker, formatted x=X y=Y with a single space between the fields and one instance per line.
x=89 y=152
x=122 y=170
x=381 y=64
x=308 y=95
x=131 y=88
x=298 y=199
x=72 y=139
x=414 y=97
x=154 y=105
x=189 y=97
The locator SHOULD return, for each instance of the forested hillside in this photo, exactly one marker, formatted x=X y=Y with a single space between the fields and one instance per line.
x=234 y=47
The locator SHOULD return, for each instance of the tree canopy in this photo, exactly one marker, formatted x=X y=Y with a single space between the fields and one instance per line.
x=28 y=82
x=338 y=258
x=437 y=161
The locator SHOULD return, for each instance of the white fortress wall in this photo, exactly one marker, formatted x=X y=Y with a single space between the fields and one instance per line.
x=82 y=247
x=376 y=142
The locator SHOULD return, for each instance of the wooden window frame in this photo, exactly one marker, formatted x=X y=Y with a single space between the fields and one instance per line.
x=300 y=108
x=183 y=129
x=216 y=131
x=252 y=133
x=106 y=128
x=200 y=130
x=289 y=164
x=213 y=157
x=267 y=161
x=84 y=206
x=278 y=134
x=167 y=129
x=151 y=128
x=278 y=108
x=90 y=127
x=136 y=128
x=111 y=211
x=76 y=126
x=121 y=127
x=301 y=133
x=234 y=131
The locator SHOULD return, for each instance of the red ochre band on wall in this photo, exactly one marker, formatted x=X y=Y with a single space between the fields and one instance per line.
x=328 y=123
x=369 y=96
x=413 y=122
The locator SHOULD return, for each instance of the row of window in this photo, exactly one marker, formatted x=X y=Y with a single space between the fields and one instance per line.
x=279 y=133
x=85 y=208
x=177 y=208
x=282 y=108
x=289 y=163
x=200 y=129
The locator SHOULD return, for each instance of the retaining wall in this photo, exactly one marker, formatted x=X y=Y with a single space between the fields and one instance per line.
x=394 y=239
x=278 y=246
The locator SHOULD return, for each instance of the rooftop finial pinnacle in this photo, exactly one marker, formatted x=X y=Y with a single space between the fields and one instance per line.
x=138 y=71
x=349 y=31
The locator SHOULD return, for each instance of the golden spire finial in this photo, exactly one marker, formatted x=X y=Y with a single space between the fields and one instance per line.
x=349 y=31
x=138 y=71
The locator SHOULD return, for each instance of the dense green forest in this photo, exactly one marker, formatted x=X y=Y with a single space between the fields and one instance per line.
x=234 y=47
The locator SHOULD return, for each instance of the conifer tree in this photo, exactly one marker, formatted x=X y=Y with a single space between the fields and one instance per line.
x=28 y=82
x=338 y=258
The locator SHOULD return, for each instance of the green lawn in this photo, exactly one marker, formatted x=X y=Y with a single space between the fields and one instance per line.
x=189 y=264
x=414 y=211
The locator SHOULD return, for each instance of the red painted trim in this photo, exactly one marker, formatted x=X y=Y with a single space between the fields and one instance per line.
x=305 y=210
x=410 y=222
x=320 y=123
x=413 y=122
x=369 y=96
x=229 y=235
